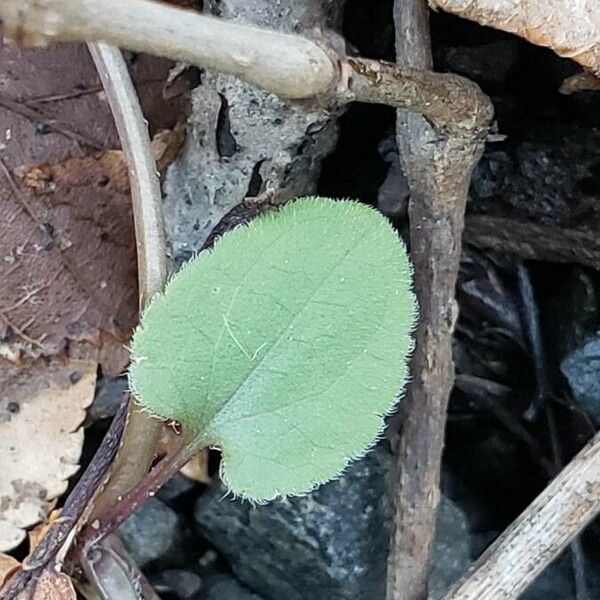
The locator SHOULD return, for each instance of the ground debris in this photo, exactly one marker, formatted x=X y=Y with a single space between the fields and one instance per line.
x=41 y=409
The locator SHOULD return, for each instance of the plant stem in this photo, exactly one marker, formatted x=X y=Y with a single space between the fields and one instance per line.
x=142 y=433
x=539 y=535
x=114 y=516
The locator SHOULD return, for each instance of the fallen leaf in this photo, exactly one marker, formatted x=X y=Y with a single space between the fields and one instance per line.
x=67 y=261
x=8 y=565
x=67 y=245
x=166 y=145
x=581 y=82
x=51 y=586
x=41 y=409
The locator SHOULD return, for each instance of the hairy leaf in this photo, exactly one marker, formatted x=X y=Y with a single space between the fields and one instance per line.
x=285 y=346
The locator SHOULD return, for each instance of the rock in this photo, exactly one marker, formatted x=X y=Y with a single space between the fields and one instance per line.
x=572 y=313
x=329 y=545
x=581 y=367
x=572 y=335
x=179 y=485
x=243 y=142
x=490 y=64
x=177 y=583
x=152 y=533
x=548 y=176
x=109 y=395
x=452 y=549
x=394 y=192
x=225 y=587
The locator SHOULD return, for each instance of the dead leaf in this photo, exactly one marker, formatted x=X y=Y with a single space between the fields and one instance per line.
x=581 y=82
x=51 y=586
x=8 y=566
x=197 y=468
x=67 y=261
x=569 y=27
x=41 y=409
x=166 y=145
x=67 y=244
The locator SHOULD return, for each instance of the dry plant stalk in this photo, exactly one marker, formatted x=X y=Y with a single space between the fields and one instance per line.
x=142 y=433
x=569 y=27
x=539 y=535
x=290 y=66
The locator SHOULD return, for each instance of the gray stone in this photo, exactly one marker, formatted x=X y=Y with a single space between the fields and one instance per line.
x=152 y=533
x=581 y=367
x=452 y=549
x=542 y=178
x=179 y=485
x=225 y=587
x=243 y=142
x=177 y=582
x=329 y=545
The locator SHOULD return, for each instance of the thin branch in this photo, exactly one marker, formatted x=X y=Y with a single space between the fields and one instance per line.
x=438 y=169
x=539 y=535
x=143 y=431
x=288 y=65
x=291 y=66
x=449 y=102
x=534 y=241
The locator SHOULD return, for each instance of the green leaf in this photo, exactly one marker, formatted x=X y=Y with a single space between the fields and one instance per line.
x=285 y=346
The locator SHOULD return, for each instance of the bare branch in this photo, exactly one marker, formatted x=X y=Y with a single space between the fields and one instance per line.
x=569 y=27
x=290 y=66
x=539 y=535
x=438 y=169
x=449 y=102
x=534 y=241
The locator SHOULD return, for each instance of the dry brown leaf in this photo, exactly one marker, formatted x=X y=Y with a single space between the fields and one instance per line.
x=581 y=82
x=166 y=145
x=68 y=263
x=197 y=468
x=569 y=27
x=82 y=284
x=8 y=565
x=51 y=586
x=41 y=409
